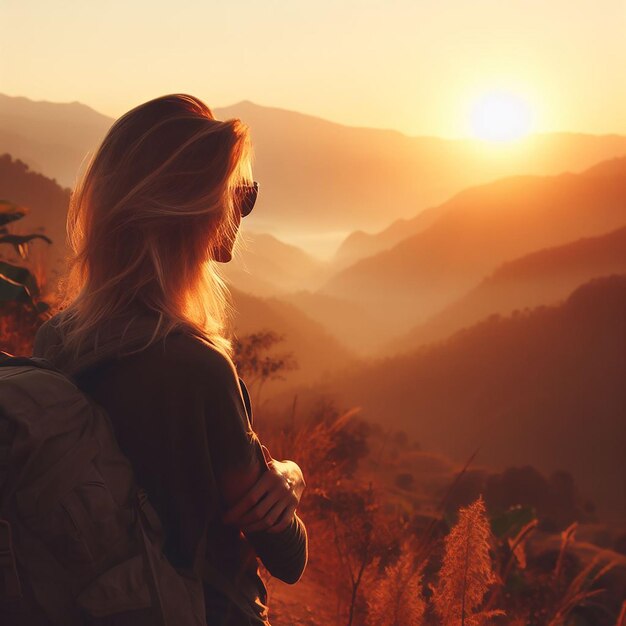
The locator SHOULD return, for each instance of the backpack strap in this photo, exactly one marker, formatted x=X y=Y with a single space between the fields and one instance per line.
x=215 y=578
x=10 y=583
x=211 y=574
x=147 y=515
x=32 y=361
x=10 y=586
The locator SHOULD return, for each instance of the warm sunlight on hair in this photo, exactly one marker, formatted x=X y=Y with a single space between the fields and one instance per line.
x=501 y=116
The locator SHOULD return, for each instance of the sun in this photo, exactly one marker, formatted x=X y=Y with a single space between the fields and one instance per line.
x=501 y=116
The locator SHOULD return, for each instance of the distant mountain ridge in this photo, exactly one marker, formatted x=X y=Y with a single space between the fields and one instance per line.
x=475 y=232
x=360 y=244
x=266 y=266
x=539 y=278
x=52 y=138
x=317 y=177
x=309 y=341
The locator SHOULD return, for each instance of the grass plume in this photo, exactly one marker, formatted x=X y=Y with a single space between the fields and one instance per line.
x=466 y=573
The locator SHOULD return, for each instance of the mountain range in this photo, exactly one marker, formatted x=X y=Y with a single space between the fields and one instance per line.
x=544 y=387
x=539 y=278
x=471 y=243
x=478 y=230
x=319 y=181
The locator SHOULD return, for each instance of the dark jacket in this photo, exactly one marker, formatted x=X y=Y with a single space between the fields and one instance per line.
x=181 y=414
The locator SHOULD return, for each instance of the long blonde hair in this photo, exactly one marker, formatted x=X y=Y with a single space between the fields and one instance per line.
x=145 y=221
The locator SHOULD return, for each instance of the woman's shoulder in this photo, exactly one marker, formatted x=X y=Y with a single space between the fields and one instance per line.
x=183 y=345
x=198 y=357
x=179 y=359
x=205 y=362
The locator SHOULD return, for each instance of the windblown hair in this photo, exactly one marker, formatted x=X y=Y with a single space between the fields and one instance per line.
x=146 y=219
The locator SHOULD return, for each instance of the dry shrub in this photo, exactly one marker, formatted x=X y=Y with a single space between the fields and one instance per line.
x=581 y=591
x=18 y=326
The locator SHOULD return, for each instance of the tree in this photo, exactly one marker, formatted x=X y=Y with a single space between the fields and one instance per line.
x=256 y=365
x=20 y=306
x=353 y=514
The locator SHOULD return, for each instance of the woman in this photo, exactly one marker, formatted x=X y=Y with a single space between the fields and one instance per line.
x=143 y=328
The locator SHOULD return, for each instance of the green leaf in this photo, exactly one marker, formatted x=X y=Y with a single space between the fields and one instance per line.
x=511 y=521
x=11 y=291
x=9 y=212
x=20 y=275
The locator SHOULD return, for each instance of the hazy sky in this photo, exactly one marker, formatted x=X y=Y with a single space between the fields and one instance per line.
x=413 y=65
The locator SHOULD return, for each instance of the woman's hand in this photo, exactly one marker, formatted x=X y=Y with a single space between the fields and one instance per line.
x=272 y=501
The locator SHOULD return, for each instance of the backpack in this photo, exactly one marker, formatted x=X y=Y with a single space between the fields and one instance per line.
x=80 y=544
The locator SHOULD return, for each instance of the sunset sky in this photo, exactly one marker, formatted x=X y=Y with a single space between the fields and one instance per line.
x=419 y=66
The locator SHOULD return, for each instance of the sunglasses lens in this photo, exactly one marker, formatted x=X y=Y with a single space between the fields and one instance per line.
x=248 y=198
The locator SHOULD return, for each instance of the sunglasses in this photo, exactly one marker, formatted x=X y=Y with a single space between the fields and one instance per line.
x=246 y=197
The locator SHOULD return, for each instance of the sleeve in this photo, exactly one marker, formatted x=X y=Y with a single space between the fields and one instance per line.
x=231 y=438
x=285 y=554
x=233 y=443
x=246 y=399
